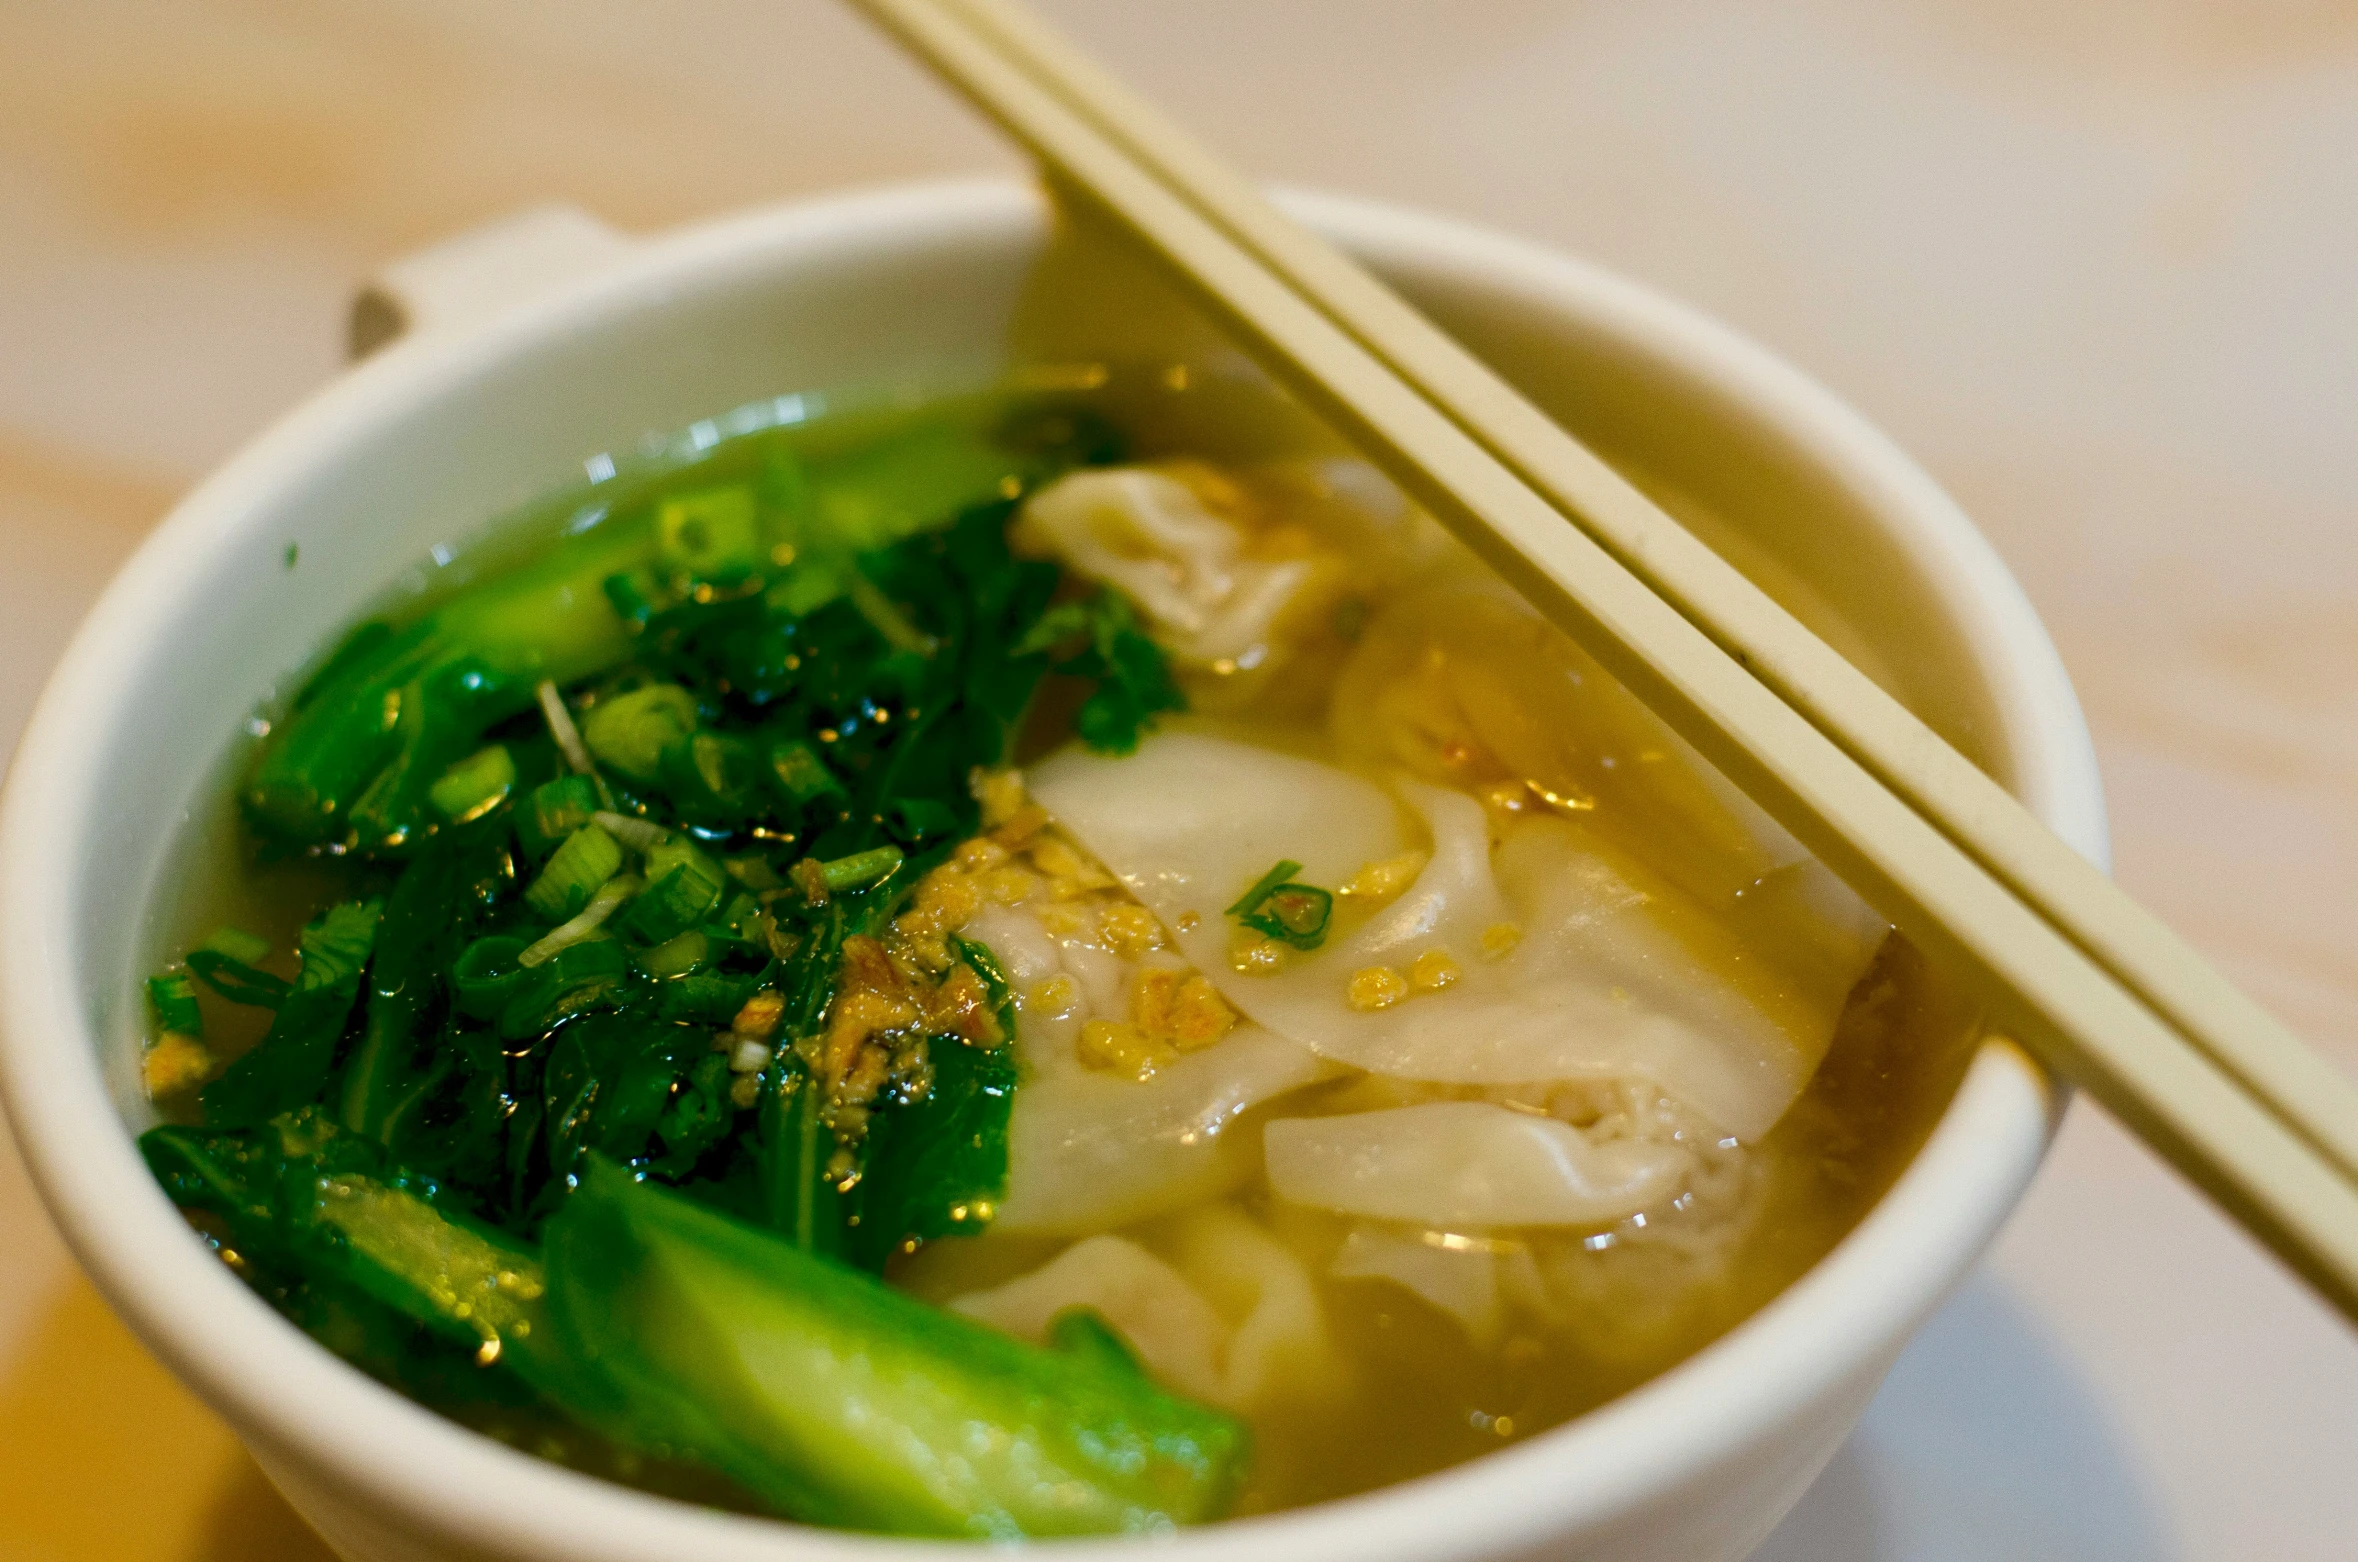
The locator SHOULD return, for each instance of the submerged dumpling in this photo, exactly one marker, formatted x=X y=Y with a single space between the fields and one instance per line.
x=1466 y=1165
x=1565 y=958
x=1224 y=1311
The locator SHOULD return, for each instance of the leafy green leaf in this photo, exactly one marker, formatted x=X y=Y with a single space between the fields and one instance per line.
x=292 y=1062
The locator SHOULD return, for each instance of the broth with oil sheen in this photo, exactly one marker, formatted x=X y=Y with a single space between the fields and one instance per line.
x=1224 y=1132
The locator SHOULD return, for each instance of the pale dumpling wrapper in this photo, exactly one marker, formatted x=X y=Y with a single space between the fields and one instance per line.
x=1466 y=1165
x=1226 y=1313
x=1617 y=974
x=1090 y=1150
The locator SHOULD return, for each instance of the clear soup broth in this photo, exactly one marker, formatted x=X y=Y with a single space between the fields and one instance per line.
x=1010 y=966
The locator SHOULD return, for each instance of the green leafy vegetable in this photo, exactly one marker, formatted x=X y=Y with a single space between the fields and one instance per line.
x=293 y=1060
x=382 y=722
x=173 y=999
x=846 y=1403
x=1133 y=680
x=938 y=1166
x=236 y=980
x=785 y=675
x=298 y=1194
x=428 y=916
x=237 y=944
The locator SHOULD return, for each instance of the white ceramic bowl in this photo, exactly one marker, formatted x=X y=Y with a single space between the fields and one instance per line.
x=490 y=404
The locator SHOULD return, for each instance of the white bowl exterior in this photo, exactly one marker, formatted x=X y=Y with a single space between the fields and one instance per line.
x=421 y=443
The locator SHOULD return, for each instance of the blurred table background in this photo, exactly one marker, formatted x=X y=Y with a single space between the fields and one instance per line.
x=2095 y=262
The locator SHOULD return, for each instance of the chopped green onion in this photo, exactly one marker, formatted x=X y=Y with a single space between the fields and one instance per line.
x=1262 y=888
x=487 y=974
x=709 y=535
x=664 y=856
x=1296 y=914
x=237 y=981
x=588 y=859
x=631 y=731
x=672 y=904
x=173 y=997
x=681 y=956
x=603 y=904
x=640 y=835
x=238 y=944
x=683 y=884
x=475 y=785
x=860 y=869
x=802 y=773
x=566 y=735
x=712 y=778
x=706 y=997
x=553 y=810
x=577 y=977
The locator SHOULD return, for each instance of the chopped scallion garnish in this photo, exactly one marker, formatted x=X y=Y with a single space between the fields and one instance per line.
x=629 y=732
x=475 y=785
x=603 y=904
x=640 y=835
x=588 y=859
x=553 y=810
x=860 y=869
x=1292 y=913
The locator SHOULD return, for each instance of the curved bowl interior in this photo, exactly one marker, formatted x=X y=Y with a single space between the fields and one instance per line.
x=910 y=287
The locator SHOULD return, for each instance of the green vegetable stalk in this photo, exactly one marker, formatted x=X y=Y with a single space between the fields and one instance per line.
x=391 y=713
x=847 y=1403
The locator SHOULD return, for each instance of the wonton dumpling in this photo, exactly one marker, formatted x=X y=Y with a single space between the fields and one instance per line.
x=1148 y=535
x=1089 y=1150
x=1229 y=1315
x=1178 y=1336
x=1459 y=1165
x=1617 y=973
x=1460 y=1281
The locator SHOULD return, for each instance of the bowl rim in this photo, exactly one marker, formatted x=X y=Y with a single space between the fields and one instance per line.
x=326 y=1423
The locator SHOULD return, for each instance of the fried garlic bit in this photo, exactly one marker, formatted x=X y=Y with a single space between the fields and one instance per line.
x=1128 y=928
x=1172 y=1012
x=1375 y=987
x=1379 y=882
x=173 y=1064
x=1252 y=952
x=1432 y=971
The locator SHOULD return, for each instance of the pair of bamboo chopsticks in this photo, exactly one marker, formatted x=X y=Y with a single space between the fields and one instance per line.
x=2084 y=976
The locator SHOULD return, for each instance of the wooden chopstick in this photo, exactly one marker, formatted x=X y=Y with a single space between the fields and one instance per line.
x=2191 y=1066
x=2289 y=1078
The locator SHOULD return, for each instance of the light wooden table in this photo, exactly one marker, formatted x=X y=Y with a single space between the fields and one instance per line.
x=2093 y=263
